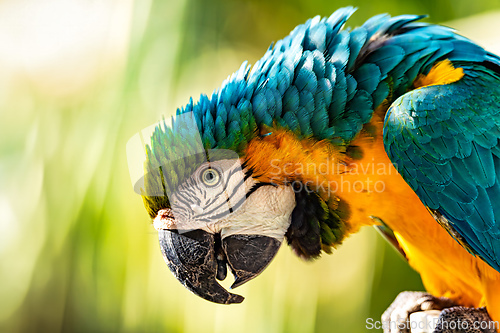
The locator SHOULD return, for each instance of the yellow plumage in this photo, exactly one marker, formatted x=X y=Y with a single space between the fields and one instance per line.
x=441 y=73
x=446 y=268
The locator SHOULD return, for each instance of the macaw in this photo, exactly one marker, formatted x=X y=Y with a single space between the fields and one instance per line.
x=394 y=124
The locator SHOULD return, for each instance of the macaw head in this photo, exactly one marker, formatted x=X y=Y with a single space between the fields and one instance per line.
x=259 y=161
x=219 y=217
x=230 y=207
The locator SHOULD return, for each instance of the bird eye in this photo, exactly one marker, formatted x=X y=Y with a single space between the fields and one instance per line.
x=210 y=177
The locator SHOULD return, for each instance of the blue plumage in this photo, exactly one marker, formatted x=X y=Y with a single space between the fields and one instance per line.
x=460 y=180
x=358 y=66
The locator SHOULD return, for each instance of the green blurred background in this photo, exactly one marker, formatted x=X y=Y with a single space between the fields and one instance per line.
x=78 y=253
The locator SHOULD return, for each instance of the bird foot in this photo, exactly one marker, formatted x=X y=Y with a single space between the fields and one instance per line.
x=465 y=320
x=419 y=312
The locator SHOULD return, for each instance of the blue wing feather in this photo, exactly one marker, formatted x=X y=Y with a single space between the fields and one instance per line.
x=444 y=140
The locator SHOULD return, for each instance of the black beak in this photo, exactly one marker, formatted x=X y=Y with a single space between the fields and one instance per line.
x=197 y=258
x=248 y=255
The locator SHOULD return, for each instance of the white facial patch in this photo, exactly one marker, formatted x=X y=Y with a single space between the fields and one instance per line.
x=266 y=212
x=218 y=203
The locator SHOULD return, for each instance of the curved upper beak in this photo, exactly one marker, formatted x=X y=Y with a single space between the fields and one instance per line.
x=197 y=258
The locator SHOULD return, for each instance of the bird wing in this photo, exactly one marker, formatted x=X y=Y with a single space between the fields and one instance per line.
x=444 y=141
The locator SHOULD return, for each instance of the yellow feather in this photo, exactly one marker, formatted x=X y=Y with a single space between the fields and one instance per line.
x=441 y=73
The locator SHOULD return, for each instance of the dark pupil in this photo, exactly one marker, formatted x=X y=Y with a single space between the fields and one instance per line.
x=209 y=176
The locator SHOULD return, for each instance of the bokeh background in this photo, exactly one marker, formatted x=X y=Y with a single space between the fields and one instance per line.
x=78 y=78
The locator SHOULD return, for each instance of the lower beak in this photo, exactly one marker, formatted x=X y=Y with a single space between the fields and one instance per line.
x=197 y=257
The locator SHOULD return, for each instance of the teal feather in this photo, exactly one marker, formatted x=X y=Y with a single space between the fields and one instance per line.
x=380 y=94
x=432 y=131
x=480 y=166
x=464 y=148
x=271 y=98
x=453 y=128
x=304 y=117
x=284 y=79
x=330 y=73
x=339 y=50
x=319 y=120
x=456 y=210
x=368 y=77
x=395 y=23
x=386 y=58
x=362 y=104
x=278 y=102
x=460 y=190
x=488 y=139
x=316 y=36
x=430 y=198
x=208 y=125
x=337 y=20
x=291 y=121
x=410 y=43
x=220 y=129
x=356 y=42
x=443 y=148
x=209 y=140
x=319 y=64
x=260 y=110
x=306 y=78
x=306 y=99
x=291 y=99
x=233 y=116
x=324 y=93
x=352 y=84
x=339 y=98
x=234 y=127
x=373 y=24
x=482 y=218
x=222 y=113
x=493 y=193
